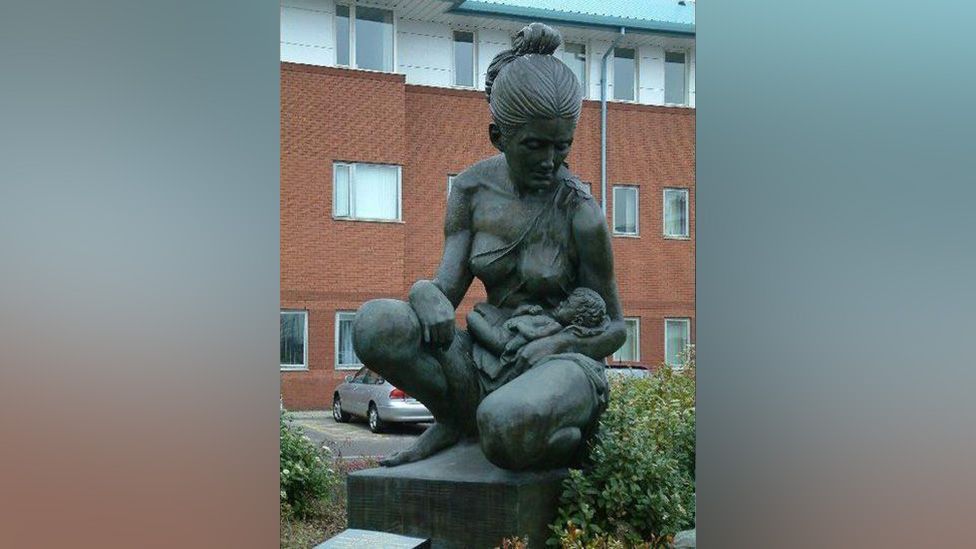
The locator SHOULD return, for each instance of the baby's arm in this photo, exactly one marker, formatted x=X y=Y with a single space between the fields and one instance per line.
x=493 y=338
x=534 y=327
x=514 y=344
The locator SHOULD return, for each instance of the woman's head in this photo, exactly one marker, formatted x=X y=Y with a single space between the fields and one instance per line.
x=535 y=102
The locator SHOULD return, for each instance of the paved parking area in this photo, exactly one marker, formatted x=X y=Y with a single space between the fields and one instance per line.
x=354 y=439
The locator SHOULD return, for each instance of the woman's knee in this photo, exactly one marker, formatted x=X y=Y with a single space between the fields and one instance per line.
x=513 y=436
x=536 y=421
x=385 y=331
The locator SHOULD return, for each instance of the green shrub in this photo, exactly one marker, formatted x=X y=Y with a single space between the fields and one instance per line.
x=323 y=518
x=307 y=473
x=637 y=487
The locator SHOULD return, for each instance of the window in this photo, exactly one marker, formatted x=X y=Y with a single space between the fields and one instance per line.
x=294 y=334
x=364 y=38
x=677 y=338
x=625 y=211
x=464 y=59
x=624 y=74
x=450 y=183
x=630 y=351
x=675 y=78
x=346 y=358
x=676 y=213
x=366 y=191
x=342 y=35
x=360 y=376
x=574 y=55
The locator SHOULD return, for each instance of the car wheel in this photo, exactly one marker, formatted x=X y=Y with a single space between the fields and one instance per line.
x=373 y=419
x=337 y=414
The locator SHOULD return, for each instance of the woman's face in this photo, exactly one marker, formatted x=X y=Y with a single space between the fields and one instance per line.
x=536 y=151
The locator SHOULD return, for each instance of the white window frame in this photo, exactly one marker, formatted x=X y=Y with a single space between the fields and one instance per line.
x=612 y=78
x=335 y=355
x=352 y=181
x=637 y=346
x=687 y=323
x=687 y=97
x=450 y=182
x=586 y=63
x=613 y=214
x=294 y=367
x=474 y=60
x=664 y=214
x=352 y=38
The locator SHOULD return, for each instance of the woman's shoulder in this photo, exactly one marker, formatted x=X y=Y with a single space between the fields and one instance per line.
x=587 y=215
x=581 y=189
x=481 y=173
x=576 y=194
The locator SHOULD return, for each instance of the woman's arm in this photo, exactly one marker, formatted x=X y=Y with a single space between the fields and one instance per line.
x=592 y=239
x=453 y=275
x=434 y=301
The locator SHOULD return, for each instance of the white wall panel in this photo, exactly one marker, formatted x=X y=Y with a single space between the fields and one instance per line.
x=307 y=34
x=319 y=5
x=306 y=27
x=651 y=75
x=691 y=78
x=427 y=76
x=598 y=48
x=490 y=43
x=425 y=52
x=428 y=28
x=306 y=54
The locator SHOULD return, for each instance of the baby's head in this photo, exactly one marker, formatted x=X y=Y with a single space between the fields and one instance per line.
x=584 y=307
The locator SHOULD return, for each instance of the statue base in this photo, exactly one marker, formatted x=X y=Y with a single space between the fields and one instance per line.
x=457 y=499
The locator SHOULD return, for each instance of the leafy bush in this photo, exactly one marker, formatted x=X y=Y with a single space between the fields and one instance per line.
x=637 y=487
x=307 y=473
x=325 y=517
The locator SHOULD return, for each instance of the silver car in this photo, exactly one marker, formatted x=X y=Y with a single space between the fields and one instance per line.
x=625 y=371
x=368 y=395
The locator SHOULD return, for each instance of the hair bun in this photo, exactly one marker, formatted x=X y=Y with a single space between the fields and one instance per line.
x=536 y=38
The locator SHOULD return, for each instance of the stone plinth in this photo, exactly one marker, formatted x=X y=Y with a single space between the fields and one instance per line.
x=457 y=498
x=360 y=539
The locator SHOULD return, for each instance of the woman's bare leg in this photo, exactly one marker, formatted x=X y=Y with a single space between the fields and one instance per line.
x=536 y=420
x=386 y=336
x=437 y=437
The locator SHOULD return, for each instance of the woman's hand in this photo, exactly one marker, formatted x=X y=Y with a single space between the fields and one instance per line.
x=435 y=312
x=534 y=351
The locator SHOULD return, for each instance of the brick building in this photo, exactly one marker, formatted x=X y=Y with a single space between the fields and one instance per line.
x=382 y=102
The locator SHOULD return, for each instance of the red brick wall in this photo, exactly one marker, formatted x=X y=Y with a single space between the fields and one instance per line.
x=331 y=114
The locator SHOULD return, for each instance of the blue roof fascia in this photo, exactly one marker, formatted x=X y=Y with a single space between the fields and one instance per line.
x=476 y=7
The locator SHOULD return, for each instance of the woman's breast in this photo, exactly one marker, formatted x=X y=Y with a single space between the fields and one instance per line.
x=488 y=260
x=545 y=270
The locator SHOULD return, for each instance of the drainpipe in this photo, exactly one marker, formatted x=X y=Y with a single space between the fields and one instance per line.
x=603 y=122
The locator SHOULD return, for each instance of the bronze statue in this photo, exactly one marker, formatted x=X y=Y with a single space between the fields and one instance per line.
x=530 y=231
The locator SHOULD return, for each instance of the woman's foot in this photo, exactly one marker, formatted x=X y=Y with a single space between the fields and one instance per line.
x=433 y=440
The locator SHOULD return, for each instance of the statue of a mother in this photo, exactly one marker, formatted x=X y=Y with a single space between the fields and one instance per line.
x=528 y=229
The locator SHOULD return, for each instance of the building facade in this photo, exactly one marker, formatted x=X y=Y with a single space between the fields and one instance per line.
x=382 y=102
